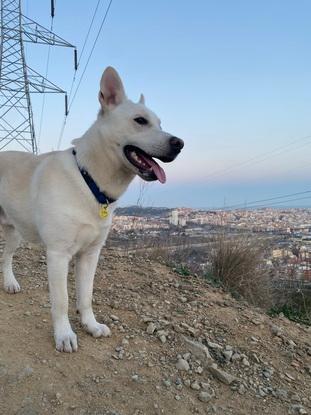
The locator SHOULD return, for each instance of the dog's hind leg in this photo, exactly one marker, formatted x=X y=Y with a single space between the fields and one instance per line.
x=12 y=240
x=85 y=267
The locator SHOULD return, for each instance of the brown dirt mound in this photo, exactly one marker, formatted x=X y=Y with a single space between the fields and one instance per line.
x=263 y=364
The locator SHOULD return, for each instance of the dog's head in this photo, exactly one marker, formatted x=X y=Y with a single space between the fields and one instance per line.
x=134 y=132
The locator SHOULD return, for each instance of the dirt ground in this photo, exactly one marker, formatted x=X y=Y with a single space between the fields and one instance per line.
x=263 y=364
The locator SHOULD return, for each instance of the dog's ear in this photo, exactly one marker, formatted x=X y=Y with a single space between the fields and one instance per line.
x=111 y=91
x=141 y=99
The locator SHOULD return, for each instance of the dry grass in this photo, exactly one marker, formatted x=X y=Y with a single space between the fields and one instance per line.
x=237 y=263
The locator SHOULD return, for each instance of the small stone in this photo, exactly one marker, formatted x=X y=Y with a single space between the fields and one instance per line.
x=199 y=370
x=298 y=409
x=221 y=375
x=289 y=376
x=162 y=338
x=214 y=345
x=114 y=317
x=199 y=350
x=167 y=383
x=276 y=330
x=187 y=382
x=228 y=354
x=195 y=386
x=205 y=396
x=281 y=394
x=151 y=328
x=235 y=356
x=177 y=397
x=135 y=378
x=245 y=362
x=182 y=364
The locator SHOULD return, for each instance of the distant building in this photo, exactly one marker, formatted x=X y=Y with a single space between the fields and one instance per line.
x=174 y=218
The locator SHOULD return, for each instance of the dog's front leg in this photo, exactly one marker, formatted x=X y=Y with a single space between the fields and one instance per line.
x=86 y=263
x=65 y=338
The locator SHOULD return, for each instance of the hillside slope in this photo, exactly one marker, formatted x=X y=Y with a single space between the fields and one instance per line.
x=154 y=363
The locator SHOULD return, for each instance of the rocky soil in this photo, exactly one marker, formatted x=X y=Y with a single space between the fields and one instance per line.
x=178 y=346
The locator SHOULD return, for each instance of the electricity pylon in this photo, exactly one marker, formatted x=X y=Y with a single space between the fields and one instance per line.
x=17 y=79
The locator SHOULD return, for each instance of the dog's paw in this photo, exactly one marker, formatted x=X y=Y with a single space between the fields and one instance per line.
x=66 y=342
x=12 y=287
x=98 y=330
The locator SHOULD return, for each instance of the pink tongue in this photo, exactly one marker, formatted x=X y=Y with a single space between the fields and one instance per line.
x=157 y=170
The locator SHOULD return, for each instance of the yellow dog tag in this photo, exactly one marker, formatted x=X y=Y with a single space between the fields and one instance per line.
x=103 y=211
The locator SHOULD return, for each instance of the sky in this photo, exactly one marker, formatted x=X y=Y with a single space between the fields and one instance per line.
x=232 y=78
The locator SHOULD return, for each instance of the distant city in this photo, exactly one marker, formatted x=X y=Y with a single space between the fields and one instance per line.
x=288 y=232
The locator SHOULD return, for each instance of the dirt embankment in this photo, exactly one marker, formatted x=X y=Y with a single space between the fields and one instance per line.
x=178 y=346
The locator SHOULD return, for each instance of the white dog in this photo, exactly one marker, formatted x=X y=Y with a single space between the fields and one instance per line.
x=66 y=199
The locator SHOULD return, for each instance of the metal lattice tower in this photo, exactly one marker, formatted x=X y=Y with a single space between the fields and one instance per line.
x=17 y=80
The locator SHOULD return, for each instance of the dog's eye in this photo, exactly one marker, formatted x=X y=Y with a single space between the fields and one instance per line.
x=141 y=120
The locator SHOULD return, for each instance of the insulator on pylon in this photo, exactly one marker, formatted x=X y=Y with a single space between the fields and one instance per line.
x=66 y=105
x=52 y=9
x=76 y=59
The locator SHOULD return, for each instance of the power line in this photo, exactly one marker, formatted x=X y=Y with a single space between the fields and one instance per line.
x=262 y=157
x=266 y=200
x=83 y=47
x=84 y=71
x=277 y=203
x=91 y=52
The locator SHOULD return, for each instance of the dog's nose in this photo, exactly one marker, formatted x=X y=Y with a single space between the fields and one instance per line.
x=176 y=143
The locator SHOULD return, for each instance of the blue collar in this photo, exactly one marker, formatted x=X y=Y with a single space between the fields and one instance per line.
x=100 y=196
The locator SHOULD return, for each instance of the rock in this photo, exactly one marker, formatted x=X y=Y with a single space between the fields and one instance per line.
x=268 y=372
x=291 y=344
x=276 y=330
x=228 y=354
x=245 y=362
x=167 y=383
x=297 y=409
x=114 y=317
x=281 y=394
x=199 y=370
x=135 y=378
x=235 y=356
x=221 y=375
x=199 y=350
x=162 y=338
x=125 y=342
x=214 y=345
x=195 y=386
x=205 y=396
x=182 y=364
x=205 y=385
x=151 y=328
x=177 y=397
x=186 y=356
